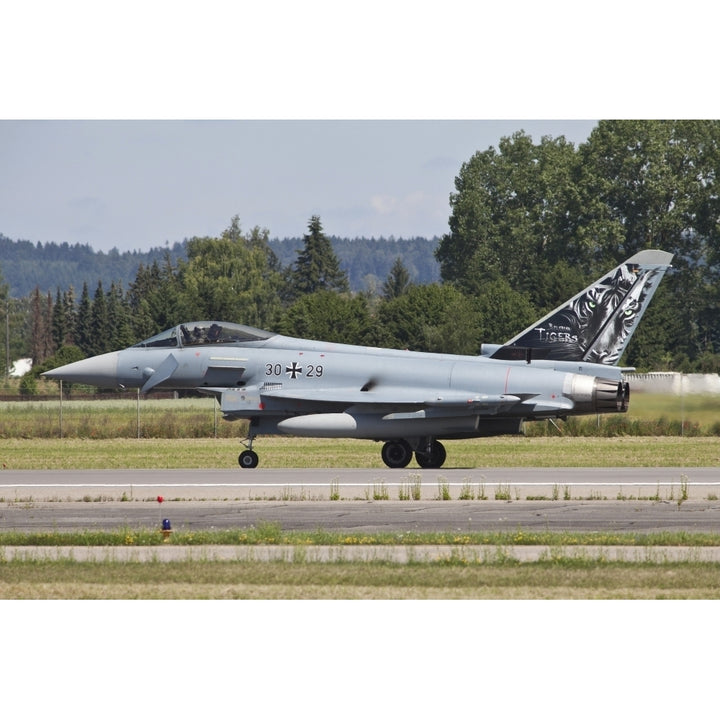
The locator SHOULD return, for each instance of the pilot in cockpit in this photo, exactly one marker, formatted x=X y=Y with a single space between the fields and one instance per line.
x=213 y=335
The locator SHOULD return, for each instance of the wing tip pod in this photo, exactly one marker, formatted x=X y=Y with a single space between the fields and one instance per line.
x=651 y=258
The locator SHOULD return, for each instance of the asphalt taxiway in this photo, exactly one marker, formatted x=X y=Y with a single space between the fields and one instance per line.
x=365 y=501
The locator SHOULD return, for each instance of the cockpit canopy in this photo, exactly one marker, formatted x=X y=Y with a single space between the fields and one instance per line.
x=205 y=332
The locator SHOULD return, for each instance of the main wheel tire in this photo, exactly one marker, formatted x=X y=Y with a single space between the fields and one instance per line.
x=435 y=459
x=396 y=454
x=248 y=459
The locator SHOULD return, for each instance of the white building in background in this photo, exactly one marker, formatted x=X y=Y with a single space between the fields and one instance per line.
x=20 y=367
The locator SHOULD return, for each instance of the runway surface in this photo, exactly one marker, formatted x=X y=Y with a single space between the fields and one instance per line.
x=368 y=501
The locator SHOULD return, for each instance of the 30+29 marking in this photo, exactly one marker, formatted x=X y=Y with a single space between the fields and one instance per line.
x=293 y=371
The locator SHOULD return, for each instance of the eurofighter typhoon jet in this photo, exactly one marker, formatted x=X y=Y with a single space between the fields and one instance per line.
x=565 y=364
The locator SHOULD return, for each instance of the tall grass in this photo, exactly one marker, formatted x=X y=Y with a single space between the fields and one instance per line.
x=122 y=418
x=622 y=425
x=130 y=417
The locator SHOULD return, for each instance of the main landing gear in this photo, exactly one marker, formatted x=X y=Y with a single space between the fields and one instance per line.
x=428 y=453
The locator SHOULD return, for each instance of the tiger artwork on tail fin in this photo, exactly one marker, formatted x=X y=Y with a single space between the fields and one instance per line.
x=596 y=325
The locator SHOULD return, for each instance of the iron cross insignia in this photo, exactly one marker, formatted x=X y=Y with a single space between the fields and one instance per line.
x=293 y=370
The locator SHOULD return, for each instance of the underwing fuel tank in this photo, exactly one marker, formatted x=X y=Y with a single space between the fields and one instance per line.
x=395 y=425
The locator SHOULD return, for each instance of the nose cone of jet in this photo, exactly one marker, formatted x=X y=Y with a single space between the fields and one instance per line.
x=100 y=370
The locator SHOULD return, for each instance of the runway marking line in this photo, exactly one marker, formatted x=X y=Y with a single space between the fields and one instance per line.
x=662 y=483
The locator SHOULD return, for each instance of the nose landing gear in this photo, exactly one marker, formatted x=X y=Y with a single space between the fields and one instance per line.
x=248 y=458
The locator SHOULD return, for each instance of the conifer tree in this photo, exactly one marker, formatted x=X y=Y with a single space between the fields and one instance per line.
x=119 y=319
x=5 y=303
x=317 y=266
x=63 y=318
x=398 y=281
x=83 y=330
x=100 y=332
x=59 y=320
x=41 y=327
x=70 y=316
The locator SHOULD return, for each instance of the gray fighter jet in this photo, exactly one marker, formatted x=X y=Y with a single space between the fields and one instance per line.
x=565 y=364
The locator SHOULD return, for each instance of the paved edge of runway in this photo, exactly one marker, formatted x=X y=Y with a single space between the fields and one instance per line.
x=401 y=554
x=314 y=484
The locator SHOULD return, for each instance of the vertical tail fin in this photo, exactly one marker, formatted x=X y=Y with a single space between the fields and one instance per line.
x=595 y=325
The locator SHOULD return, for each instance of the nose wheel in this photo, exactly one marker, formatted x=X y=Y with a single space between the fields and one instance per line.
x=248 y=459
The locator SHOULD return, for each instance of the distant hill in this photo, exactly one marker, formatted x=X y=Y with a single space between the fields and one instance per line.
x=25 y=265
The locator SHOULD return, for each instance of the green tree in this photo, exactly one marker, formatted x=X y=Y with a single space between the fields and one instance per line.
x=101 y=333
x=234 y=278
x=397 y=282
x=83 y=326
x=503 y=311
x=655 y=344
x=317 y=266
x=41 y=323
x=5 y=304
x=70 y=314
x=326 y=315
x=511 y=214
x=153 y=298
x=63 y=317
x=653 y=183
x=28 y=385
x=119 y=318
x=649 y=184
x=436 y=318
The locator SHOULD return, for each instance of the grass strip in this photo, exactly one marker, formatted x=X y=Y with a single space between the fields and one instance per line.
x=568 y=579
x=288 y=452
x=273 y=534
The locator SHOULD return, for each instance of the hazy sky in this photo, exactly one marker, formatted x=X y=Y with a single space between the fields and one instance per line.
x=134 y=177
x=139 y=184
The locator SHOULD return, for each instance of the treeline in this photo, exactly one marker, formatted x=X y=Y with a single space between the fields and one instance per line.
x=46 y=267
x=28 y=266
x=530 y=225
